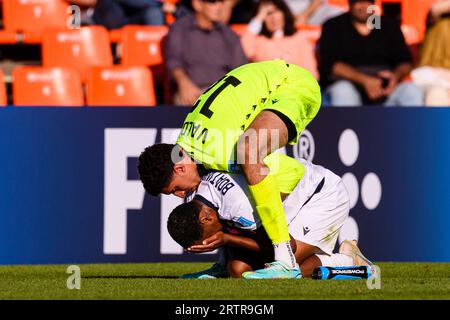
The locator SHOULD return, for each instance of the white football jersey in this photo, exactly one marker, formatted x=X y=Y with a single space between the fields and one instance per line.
x=229 y=194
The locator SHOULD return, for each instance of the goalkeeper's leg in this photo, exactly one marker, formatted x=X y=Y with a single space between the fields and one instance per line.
x=266 y=134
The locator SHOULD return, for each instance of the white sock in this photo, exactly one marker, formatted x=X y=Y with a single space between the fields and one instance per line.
x=283 y=252
x=335 y=260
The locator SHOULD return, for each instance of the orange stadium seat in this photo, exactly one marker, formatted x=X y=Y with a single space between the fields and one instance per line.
x=41 y=86
x=414 y=14
x=115 y=35
x=78 y=49
x=239 y=28
x=411 y=35
x=3 y=97
x=33 y=17
x=311 y=32
x=120 y=86
x=344 y=3
x=340 y=3
x=142 y=45
x=8 y=37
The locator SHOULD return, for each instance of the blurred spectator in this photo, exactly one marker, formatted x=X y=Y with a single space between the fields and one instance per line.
x=200 y=50
x=314 y=12
x=183 y=7
x=115 y=14
x=228 y=9
x=272 y=34
x=434 y=72
x=364 y=64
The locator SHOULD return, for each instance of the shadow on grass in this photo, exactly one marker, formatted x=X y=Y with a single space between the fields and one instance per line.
x=130 y=277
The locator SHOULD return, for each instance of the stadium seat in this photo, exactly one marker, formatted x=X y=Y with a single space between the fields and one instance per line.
x=339 y=3
x=8 y=37
x=115 y=35
x=239 y=28
x=142 y=45
x=344 y=3
x=3 y=97
x=414 y=14
x=32 y=18
x=41 y=86
x=120 y=86
x=311 y=32
x=411 y=35
x=78 y=49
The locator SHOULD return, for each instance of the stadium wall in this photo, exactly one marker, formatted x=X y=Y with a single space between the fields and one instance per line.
x=69 y=189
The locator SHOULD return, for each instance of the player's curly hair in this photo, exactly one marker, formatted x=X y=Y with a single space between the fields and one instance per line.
x=156 y=167
x=184 y=225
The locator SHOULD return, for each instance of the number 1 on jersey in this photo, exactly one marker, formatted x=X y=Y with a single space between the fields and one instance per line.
x=230 y=80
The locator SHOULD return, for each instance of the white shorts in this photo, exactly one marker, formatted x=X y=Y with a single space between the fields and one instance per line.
x=319 y=220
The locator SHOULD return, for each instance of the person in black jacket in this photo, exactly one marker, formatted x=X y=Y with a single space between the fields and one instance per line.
x=364 y=59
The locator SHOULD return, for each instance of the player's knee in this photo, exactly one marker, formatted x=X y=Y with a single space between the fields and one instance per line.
x=237 y=268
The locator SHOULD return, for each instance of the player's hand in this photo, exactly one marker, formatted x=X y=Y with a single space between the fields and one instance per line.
x=169 y=7
x=373 y=87
x=264 y=11
x=392 y=81
x=301 y=19
x=188 y=92
x=210 y=244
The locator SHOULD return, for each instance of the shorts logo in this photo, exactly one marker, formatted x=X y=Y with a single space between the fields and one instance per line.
x=306 y=230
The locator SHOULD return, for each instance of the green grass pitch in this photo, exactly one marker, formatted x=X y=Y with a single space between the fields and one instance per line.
x=159 y=281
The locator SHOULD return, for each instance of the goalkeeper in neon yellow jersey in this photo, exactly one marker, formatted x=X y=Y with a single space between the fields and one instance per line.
x=235 y=126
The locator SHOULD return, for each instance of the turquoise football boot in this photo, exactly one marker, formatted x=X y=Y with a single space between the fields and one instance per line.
x=206 y=276
x=274 y=270
x=216 y=271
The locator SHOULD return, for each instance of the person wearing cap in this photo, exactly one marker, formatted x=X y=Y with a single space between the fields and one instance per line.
x=364 y=60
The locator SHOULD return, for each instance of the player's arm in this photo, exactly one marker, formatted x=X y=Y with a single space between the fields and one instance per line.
x=221 y=239
x=256 y=242
x=187 y=89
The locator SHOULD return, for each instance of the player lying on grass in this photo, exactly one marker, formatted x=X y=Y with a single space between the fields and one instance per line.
x=222 y=213
x=248 y=114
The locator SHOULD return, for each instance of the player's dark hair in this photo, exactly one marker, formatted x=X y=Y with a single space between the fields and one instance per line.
x=289 y=20
x=184 y=225
x=156 y=167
